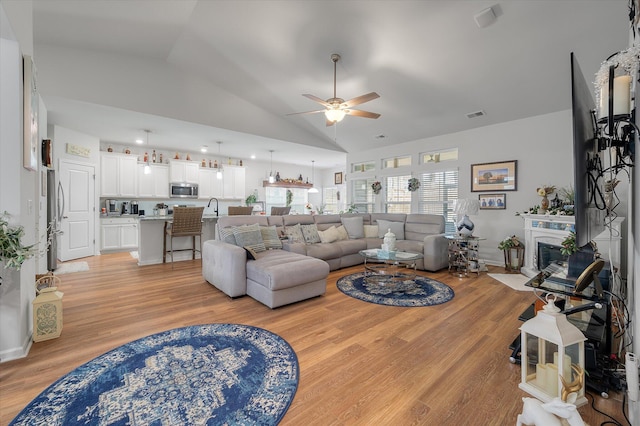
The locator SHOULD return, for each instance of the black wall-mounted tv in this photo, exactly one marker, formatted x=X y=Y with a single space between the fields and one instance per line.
x=587 y=161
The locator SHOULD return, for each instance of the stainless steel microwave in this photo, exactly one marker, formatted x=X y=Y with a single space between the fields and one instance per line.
x=183 y=190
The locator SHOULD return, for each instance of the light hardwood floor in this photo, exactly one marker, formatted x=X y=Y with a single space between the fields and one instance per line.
x=360 y=363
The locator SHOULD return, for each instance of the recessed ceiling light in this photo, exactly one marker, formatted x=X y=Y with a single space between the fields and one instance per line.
x=139 y=141
x=204 y=148
x=253 y=156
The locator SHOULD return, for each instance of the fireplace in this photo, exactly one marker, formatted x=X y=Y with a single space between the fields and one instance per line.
x=549 y=253
x=543 y=236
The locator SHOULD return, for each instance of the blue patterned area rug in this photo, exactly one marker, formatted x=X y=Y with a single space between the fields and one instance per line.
x=422 y=291
x=216 y=374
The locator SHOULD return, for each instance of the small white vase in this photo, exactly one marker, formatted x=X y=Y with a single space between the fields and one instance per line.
x=390 y=240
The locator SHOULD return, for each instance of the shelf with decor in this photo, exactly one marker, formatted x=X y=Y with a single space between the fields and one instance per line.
x=289 y=184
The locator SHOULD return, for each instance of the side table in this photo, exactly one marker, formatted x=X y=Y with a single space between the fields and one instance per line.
x=463 y=254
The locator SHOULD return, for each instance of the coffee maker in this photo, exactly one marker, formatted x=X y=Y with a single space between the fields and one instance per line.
x=125 y=207
x=112 y=207
x=134 y=207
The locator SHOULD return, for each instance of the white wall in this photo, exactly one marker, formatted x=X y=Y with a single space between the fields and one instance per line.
x=18 y=194
x=542 y=145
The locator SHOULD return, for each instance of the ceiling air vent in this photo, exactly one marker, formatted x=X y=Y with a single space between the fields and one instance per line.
x=475 y=114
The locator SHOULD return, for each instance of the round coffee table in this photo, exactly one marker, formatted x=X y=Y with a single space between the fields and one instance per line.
x=384 y=268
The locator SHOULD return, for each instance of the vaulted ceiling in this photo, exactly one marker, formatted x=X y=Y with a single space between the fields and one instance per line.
x=200 y=71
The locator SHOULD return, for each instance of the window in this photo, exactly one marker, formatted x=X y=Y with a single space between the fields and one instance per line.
x=440 y=155
x=363 y=167
x=363 y=195
x=395 y=162
x=277 y=197
x=438 y=190
x=397 y=196
x=330 y=200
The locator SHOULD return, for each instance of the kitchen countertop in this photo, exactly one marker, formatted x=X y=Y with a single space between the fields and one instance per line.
x=170 y=217
x=166 y=217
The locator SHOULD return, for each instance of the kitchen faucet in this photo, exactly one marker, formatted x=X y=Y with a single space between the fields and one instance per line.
x=209 y=204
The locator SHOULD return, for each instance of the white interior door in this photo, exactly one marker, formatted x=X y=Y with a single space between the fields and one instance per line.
x=76 y=207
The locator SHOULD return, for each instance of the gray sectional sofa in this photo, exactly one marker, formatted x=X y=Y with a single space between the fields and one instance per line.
x=311 y=246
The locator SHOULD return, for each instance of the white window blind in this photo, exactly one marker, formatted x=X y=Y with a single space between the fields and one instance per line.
x=397 y=196
x=438 y=190
x=363 y=195
x=330 y=200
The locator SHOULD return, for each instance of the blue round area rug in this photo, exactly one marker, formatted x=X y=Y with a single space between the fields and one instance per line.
x=421 y=291
x=216 y=374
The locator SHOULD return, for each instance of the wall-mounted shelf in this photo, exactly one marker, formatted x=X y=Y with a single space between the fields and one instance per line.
x=287 y=184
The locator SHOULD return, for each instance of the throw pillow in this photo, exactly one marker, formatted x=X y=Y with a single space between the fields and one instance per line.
x=270 y=237
x=342 y=233
x=251 y=254
x=226 y=235
x=310 y=233
x=396 y=227
x=329 y=235
x=354 y=226
x=294 y=233
x=249 y=236
x=371 y=231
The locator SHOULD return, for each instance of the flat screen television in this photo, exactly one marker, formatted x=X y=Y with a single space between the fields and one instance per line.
x=589 y=207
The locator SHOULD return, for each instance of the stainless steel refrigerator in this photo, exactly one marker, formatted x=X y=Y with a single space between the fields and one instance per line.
x=54 y=210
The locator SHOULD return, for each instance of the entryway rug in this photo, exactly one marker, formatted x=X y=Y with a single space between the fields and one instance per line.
x=212 y=374
x=67 y=268
x=422 y=291
x=515 y=281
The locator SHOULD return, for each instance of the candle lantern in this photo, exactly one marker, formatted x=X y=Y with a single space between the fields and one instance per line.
x=47 y=309
x=514 y=258
x=552 y=353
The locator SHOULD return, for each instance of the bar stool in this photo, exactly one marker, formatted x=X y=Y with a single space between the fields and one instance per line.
x=187 y=222
x=239 y=211
x=280 y=211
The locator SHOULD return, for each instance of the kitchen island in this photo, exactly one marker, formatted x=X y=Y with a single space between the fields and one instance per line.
x=151 y=233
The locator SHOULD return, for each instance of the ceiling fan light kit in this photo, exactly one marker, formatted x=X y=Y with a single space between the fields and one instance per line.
x=336 y=108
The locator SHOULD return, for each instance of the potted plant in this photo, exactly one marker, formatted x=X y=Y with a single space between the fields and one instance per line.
x=568 y=246
x=513 y=250
x=251 y=199
x=12 y=252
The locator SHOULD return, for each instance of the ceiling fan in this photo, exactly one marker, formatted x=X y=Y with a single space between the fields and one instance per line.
x=336 y=108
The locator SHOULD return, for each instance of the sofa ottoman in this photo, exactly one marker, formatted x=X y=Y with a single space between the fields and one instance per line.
x=279 y=277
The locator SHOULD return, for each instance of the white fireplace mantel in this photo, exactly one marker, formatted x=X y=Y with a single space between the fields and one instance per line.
x=553 y=229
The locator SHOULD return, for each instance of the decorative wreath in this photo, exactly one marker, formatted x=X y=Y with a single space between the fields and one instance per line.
x=376 y=187
x=414 y=184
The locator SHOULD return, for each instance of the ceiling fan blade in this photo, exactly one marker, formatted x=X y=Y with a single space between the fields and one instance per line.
x=306 y=112
x=360 y=99
x=317 y=99
x=359 y=113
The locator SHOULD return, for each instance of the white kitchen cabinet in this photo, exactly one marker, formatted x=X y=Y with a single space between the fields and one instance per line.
x=233 y=182
x=155 y=184
x=209 y=185
x=183 y=171
x=119 y=233
x=118 y=175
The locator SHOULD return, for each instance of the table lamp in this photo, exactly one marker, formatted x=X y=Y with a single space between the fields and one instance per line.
x=465 y=207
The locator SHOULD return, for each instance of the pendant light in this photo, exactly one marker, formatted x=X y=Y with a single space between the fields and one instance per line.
x=272 y=178
x=147 y=167
x=313 y=189
x=219 y=172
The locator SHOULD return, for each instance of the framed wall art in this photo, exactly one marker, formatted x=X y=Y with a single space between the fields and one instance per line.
x=493 y=201
x=499 y=176
x=31 y=141
x=337 y=178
